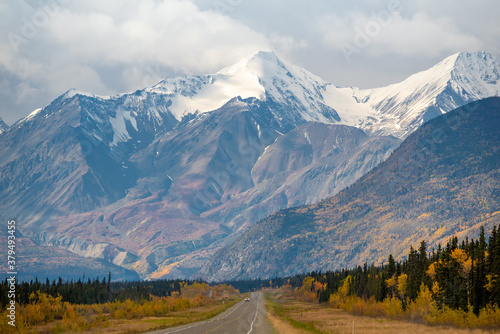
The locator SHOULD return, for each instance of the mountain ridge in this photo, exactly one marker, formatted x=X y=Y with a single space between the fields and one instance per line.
x=441 y=181
x=263 y=75
x=433 y=92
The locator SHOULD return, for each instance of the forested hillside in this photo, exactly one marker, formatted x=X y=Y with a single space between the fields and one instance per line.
x=455 y=284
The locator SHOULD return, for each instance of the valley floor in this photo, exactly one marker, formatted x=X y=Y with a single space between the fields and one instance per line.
x=297 y=317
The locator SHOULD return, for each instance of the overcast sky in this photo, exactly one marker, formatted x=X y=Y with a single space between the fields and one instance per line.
x=113 y=46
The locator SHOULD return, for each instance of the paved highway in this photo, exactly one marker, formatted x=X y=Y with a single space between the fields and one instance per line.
x=242 y=318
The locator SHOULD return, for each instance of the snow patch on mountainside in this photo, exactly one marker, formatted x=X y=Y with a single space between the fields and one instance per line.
x=351 y=111
x=3 y=126
x=118 y=123
x=200 y=94
x=476 y=75
x=210 y=94
x=32 y=114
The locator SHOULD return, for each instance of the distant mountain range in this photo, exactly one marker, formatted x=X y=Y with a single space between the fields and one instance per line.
x=443 y=180
x=157 y=180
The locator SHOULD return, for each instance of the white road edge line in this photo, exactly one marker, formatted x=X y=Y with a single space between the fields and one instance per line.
x=241 y=303
x=255 y=317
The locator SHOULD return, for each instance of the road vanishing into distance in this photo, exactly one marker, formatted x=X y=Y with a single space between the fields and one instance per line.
x=243 y=318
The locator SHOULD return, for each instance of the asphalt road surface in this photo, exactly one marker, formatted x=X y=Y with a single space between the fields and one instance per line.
x=242 y=318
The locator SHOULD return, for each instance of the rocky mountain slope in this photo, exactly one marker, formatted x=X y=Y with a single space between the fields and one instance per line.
x=3 y=126
x=443 y=180
x=72 y=156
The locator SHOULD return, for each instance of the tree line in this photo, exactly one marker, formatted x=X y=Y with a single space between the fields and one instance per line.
x=92 y=291
x=455 y=284
x=460 y=275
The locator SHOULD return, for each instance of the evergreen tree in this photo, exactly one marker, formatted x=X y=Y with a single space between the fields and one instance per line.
x=391 y=267
x=381 y=288
x=494 y=253
x=479 y=292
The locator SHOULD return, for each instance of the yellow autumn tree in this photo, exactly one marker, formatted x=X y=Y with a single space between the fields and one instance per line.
x=431 y=271
x=339 y=298
x=345 y=288
x=306 y=291
x=422 y=306
x=491 y=282
x=402 y=285
x=465 y=262
x=392 y=284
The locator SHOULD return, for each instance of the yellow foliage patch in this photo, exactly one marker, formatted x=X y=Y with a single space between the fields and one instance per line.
x=163 y=271
x=423 y=309
x=424 y=215
x=44 y=309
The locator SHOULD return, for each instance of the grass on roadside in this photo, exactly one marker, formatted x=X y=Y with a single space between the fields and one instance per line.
x=282 y=310
x=141 y=325
x=186 y=317
x=323 y=318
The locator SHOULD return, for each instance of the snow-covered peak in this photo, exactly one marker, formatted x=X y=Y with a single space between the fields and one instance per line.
x=259 y=64
x=73 y=92
x=466 y=71
x=430 y=81
x=476 y=75
x=267 y=65
x=261 y=75
x=456 y=80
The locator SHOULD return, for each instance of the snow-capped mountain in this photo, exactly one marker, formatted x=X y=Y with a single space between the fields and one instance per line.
x=156 y=180
x=294 y=92
x=399 y=109
x=295 y=96
x=291 y=93
x=111 y=119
